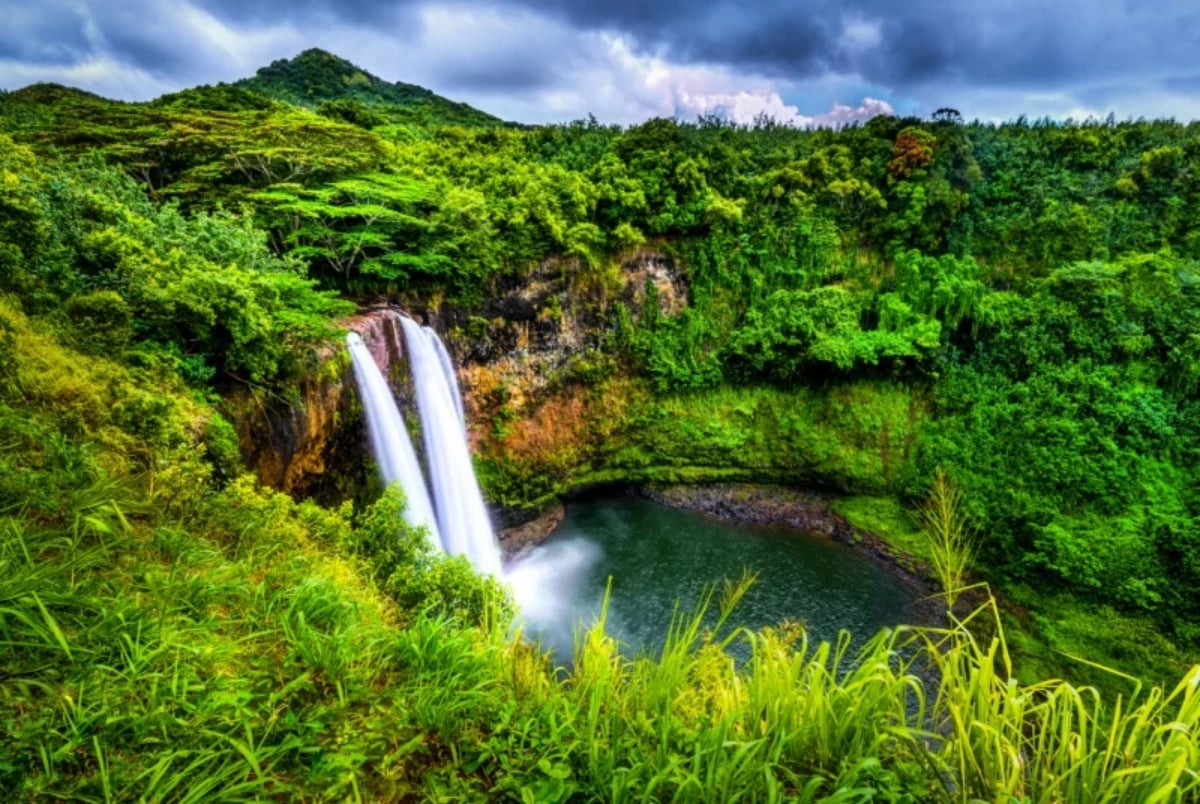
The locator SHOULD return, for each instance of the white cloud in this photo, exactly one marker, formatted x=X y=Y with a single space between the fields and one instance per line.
x=467 y=52
x=745 y=107
x=618 y=84
x=102 y=75
x=238 y=51
x=859 y=35
x=841 y=115
x=1001 y=105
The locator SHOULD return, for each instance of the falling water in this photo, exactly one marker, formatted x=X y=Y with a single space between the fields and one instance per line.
x=390 y=444
x=448 y=369
x=462 y=517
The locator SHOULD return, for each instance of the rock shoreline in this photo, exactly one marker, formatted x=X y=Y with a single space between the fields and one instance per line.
x=782 y=506
x=747 y=504
x=518 y=538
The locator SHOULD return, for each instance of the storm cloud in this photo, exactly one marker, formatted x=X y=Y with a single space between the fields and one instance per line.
x=821 y=61
x=43 y=34
x=1011 y=42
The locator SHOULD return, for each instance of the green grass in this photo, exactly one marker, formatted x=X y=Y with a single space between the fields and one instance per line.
x=1056 y=633
x=887 y=518
x=1051 y=633
x=156 y=663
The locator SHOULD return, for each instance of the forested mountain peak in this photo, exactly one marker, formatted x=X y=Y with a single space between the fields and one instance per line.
x=47 y=92
x=315 y=77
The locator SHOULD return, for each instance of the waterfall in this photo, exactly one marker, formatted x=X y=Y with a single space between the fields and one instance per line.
x=390 y=444
x=462 y=516
x=451 y=377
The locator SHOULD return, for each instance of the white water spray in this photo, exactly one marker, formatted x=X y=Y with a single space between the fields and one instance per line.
x=451 y=376
x=550 y=586
x=462 y=517
x=390 y=444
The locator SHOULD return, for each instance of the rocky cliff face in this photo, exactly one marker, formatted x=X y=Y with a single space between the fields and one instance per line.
x=525 y=353
x=539 y=369
x=520 y=355
x=294 y=444
x=557 y=318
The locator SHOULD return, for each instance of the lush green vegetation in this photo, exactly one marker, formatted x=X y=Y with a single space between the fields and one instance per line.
x=337 y=89
x=1012 y=309
x=118 y=275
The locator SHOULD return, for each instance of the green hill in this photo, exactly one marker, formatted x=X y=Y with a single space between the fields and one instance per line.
x=315 y=78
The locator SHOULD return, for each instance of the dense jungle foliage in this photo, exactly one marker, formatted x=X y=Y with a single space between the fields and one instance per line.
x=1017 y=306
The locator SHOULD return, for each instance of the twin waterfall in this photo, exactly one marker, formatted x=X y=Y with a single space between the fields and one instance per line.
x=454 y=513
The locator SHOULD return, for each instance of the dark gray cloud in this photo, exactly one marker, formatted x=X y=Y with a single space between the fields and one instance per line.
x=147 y=35
x=151 y=41
x=777 y=44
x=50 y=33
x=168 y=38
x=999 y=42
x=271 y=11
x=506 y=73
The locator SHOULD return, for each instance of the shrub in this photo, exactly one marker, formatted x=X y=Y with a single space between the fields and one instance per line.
x=101 y=323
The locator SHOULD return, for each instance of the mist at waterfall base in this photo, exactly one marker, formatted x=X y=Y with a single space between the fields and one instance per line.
x=657 y=556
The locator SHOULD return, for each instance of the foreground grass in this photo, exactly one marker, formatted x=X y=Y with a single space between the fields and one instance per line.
x=154 y=664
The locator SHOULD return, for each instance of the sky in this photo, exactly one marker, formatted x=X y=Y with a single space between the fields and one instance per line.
x=804 y=62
